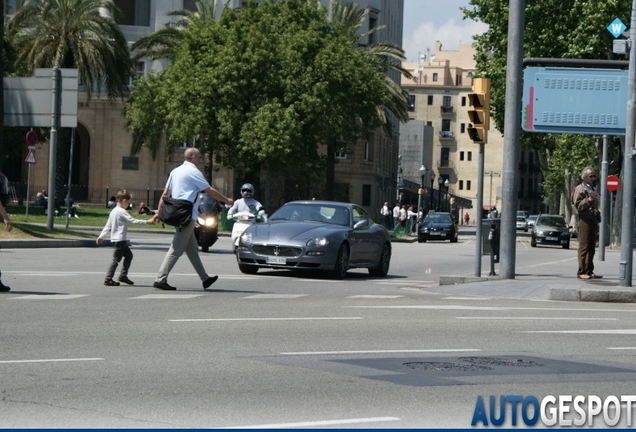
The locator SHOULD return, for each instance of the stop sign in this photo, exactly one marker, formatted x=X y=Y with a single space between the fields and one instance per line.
x=612 y=183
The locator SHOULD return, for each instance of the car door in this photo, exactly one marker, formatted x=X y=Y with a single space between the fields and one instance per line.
x=364 y=250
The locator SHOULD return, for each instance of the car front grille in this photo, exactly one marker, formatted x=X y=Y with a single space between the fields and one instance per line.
x=277 y=250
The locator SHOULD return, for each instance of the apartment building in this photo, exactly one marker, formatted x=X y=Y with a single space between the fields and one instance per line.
x=364 y=174
x=438 y=96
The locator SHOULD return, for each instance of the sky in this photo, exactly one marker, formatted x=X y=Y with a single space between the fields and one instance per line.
x=426 y=21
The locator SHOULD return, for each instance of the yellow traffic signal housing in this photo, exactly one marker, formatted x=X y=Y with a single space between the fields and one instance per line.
x=479 y=112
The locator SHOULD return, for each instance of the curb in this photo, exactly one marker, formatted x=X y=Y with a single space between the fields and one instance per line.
x=615 y=295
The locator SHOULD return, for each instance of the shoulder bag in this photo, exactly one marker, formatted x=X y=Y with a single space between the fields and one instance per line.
x=176 y=212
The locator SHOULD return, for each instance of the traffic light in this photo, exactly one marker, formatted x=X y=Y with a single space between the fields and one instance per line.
x=479 y=112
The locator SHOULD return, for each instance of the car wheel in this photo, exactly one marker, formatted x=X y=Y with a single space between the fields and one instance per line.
x=567 y=245
x=382 y=268
x=533 y=243
x=342 y=263
x=525 y=230
x=248 y=269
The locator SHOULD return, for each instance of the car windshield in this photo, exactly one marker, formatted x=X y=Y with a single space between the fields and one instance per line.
x=438 y=218
x=337 y=215
x=521 y=219
x=555 y=221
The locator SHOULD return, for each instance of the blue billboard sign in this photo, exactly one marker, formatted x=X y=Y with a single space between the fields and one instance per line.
x=574 y=100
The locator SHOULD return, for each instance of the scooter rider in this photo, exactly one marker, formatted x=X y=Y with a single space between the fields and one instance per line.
x=247 y=203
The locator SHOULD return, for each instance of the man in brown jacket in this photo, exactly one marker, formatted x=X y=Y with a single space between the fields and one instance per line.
x=585 y=202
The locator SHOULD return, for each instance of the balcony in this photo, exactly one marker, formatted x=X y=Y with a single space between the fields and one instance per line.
x=445 y=165
x=446 y=109
x=446 y=135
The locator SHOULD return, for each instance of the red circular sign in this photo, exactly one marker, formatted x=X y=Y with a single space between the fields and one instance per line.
x=31 y=138
x=613 y=183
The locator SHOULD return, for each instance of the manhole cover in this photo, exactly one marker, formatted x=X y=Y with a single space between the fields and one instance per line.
x=441 y=366
x=494 y=361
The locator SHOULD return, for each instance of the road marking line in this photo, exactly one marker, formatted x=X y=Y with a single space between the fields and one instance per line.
x=404 y=282
x=274 y=296
x=45 y=274
x=166 y=296
x=536 y=318
x=50 y=297
x=608 y=332
x=502 y=308
x=317 y=423
x=372 y=296
x=381 y=351
x=264 y=319
x=51 y=360
x=466 y=298
x=621 y=348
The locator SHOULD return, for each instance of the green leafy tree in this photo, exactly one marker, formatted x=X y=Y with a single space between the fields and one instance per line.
x=553 y=29
x=265 y=102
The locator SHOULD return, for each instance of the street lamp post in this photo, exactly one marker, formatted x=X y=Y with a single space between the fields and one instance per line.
x=440 y=181
x=447 y=206
x=422 y=171
x=430 y=201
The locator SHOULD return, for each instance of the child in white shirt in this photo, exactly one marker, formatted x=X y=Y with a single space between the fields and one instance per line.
x=117 y=225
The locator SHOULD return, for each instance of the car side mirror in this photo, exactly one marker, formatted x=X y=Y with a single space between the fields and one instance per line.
x=363 y=223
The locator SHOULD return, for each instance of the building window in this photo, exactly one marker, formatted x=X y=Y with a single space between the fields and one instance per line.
x=373 y=23
x=461 y=155
x=140 y=71
x=130 y=163
x=368 y=151
x=446 y=125
x=461 y=185
x=366 y=195
x=190 y=5
x=462 y=127
x=467 y=184
x=435 y=77
x=446 y=102
x=430 y=100
x=463 y=100
x=411 y=103
x=429 y=123
x=469 y=157
x=134 y=12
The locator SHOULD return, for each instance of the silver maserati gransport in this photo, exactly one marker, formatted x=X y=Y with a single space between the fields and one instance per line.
x=316 y=235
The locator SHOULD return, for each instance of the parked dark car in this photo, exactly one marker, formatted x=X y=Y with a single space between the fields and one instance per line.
x=550 y=230
x=438 y=226
x=316 y=235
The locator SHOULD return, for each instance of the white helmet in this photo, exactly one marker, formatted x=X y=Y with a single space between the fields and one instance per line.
x=247 y=190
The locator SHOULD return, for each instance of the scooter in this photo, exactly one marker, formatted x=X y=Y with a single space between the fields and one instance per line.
x=206 y=228
x=242 y=220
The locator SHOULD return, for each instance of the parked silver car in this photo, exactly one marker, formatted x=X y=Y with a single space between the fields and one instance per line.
x=316 y=235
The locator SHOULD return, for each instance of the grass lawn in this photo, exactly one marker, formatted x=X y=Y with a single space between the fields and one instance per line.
x=34 y=225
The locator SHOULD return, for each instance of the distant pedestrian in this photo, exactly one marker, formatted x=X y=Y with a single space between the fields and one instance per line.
x=117 y=226
x=466 y=218
x=9 y=227
x=386 y=215
x=4 y=190
x=184 y=183
x=396 y=215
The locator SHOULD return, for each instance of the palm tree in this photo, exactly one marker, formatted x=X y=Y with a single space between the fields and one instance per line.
x=162 y=43
x=387 y=56
x=73 y=34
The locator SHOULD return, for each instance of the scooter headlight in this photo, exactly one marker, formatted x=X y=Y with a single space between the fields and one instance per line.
x=200 y=220
x=246 y=238
x=211 y=221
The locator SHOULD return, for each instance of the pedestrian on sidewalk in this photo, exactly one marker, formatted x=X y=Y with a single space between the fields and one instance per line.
x=585 y=204
x=117 y=225
x=184 y=183
x=9 y=227
x=386 y=216
x=466 y=218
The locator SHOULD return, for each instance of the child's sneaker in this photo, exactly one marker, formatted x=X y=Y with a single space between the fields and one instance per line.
x=125 y=280
x=110 y=282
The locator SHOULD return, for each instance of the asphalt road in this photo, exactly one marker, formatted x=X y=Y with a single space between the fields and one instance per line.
x=284 y=350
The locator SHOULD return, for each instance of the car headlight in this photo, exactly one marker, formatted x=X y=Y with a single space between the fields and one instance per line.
x=246 y=237
x=318 y=241
x=539 y=232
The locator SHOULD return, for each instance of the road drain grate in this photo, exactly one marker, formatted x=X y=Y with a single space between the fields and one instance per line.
x=441 y=366
x=494 y=361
